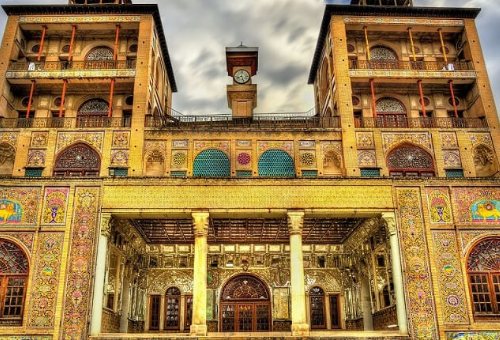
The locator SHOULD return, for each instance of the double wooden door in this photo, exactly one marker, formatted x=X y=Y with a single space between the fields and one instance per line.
x=245 y=317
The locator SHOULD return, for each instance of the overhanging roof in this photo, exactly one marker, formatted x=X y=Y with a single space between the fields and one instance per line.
x=385 y=11
x=128 y=9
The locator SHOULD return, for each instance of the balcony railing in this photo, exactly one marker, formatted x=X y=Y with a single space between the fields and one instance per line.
x=62 y=123
x=262 y=122
x=44 y=66
x=401 y=121
x=410 y=65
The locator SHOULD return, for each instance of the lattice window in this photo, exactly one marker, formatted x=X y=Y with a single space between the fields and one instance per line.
x=100 y=53
x=13 y=277
x=383 y=54
x=317 y=301
x=390 y=106
x=244 y=287
x=211 y=163
x=410 y=160
x=172 y=308
x=78 y=160
x=94 y=107
x=483 y=267
x=276 y=163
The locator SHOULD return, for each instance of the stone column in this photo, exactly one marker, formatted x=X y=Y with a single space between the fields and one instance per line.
x=125 y=302
x=300 y=327
x=199 y=322
x=366 y=304
x=397 y=275
x=100 y=273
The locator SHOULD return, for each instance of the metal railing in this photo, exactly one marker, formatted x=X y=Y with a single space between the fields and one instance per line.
x=65 y=123
x=35 y=66
x=410 y=65
x=399 y=121
x=261 y=121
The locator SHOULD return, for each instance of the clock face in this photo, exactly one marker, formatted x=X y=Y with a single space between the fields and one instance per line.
x=241 y=76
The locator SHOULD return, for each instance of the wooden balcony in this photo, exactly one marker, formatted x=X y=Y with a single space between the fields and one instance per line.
x=64 y=123
x=411 y=69
x=402 y=122
x=71 y=69
x=273 y=122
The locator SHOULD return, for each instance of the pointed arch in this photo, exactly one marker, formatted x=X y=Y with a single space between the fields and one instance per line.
x=485 y=161
x=78 y=160
x=276 y=163
x=212 y=163
x=410 y=160
x=383 y=53
x=14 y=270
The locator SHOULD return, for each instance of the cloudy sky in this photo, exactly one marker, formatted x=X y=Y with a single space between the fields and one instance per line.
x=197 y=31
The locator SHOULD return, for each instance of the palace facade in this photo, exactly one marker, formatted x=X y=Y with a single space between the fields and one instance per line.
x=375 y=214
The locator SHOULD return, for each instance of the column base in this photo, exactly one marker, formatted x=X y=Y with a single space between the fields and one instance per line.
x=198 y=330
x=300 y=329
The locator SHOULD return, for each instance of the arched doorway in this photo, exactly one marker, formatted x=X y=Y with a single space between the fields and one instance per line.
x=245 y=305
x=78 y=160
x=317 y=303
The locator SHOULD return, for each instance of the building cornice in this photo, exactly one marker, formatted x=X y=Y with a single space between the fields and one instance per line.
x=382 y=11
x=127 y=9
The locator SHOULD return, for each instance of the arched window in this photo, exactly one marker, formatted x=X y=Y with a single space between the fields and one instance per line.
x=14 y=271
x=101 y=53
x=317 y=302
x=410 y=160
x=76 y=161
x=172 y=308
x=7 y=156
x=276 y=163
x=483 y=269
x=391 y=113
x=94 y=107
x=382 y=53
x=155 y=163
x=211 y=163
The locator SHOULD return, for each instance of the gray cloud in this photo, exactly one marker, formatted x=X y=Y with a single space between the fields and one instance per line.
x=197 y=32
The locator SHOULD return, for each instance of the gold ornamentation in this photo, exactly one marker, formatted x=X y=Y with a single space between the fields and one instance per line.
x=364 y=140
x=39 y=139
x=422 y=139
x=65 y=139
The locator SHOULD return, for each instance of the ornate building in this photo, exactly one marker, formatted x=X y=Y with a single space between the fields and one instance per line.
x=377 y=213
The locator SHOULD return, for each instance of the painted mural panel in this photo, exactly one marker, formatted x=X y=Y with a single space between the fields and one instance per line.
x=420 y=300
x=477 y=205
x=439 y=204
x=79 y=275
x=45 y=280
x=450 y=278
x=55 y=205
x=19 y=206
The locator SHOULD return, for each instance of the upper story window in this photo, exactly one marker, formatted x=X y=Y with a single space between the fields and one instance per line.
x=382 y=53
x=100 y=53
x=94 y=107
x=276 y=163
x=14 y=269
x=78 y=160
x=483 y=269
x=410 y=161
x=391 y=113
x=211 y=163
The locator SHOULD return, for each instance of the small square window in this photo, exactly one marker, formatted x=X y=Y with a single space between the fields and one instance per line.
x=118 y=172
x=370 y=172
x=181 y=174
x=454 y=173
x=33 y=172
x=310 y=173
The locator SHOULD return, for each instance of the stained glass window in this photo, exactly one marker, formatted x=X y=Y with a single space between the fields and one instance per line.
x=100 y=53
x=211 y=163
x=276 y=163
x=78 y=160
x=410 y=160
x=13 y=277
x=172 y=308
x=483 y=267
x=317 y=301
x=383 y=53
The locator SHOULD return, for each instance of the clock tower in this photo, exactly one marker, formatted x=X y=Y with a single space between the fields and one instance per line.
x=242 y=64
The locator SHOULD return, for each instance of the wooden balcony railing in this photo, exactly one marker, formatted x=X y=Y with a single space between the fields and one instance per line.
x=44 y=66
x=401 y=121
x=410 y=65
x=64 y=123
x=263 y=122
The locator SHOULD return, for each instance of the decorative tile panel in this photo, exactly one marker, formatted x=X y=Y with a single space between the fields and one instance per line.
x=36 y=158
x=39 y=139
x=219 y=145
x=452 y=159
x=19 y=206
x=449 y=140
x=119 y=157
x=367 y=158
x=450 y=278
x=477 y=205
x=481 y=138
x=9 y=138
x=286 y=146
x=364 y=140
x=422 y=139
x=438 y=200
x=65 y=139
x=55 y=206
x=121 y=139
x=25 y=238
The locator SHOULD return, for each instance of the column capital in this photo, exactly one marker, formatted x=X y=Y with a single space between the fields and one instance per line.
x=295 y=222
x=106 y=224
x=389 y=218
x=200 y=223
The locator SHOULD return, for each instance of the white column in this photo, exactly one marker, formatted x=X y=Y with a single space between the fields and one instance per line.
x=100 y=272
x=125 y=303
x=300 y=327
x=366 y=304
x=397 y=274
x=199 y=323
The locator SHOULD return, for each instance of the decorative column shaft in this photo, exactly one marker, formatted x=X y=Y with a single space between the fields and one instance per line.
x=366 y=304
x=300 y=327
x=397 y=274
x=125 y=302
x=199 y=321
x=100 y=273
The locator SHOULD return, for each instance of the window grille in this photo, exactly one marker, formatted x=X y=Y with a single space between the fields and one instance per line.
x=211 y=163
x=276 y=163
x=370 y=172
